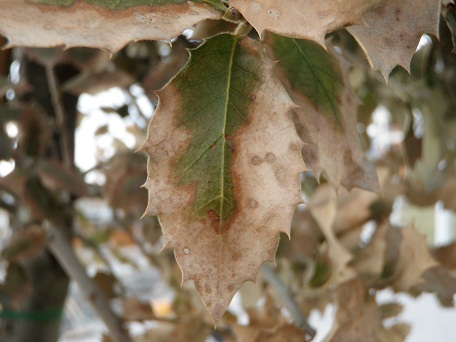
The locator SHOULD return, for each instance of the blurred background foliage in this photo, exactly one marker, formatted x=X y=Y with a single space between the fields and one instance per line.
x=70 y=123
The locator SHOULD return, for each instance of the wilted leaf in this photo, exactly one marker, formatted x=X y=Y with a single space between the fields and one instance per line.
x=108 y=25
x=305 y=19
x=223 y=166
x=391 y=32
x=413 y=260
x=326 y=119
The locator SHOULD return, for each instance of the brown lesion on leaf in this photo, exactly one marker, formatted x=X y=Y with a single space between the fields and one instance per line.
x=253 y=203
x=270 y=157
x=256 y=160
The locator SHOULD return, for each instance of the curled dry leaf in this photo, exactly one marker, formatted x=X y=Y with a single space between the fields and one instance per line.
x=391 y=32
x=108 y=25
x=223 y=166
x=326 y=117
x=305 y=19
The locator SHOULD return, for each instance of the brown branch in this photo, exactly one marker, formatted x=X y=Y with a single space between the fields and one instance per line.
x=64 y=253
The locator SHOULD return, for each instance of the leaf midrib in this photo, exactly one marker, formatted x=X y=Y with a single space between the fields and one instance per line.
x=227 y=101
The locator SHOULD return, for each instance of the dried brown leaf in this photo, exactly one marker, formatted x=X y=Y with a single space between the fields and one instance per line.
x=84 y=24
x=304 y=19
x=413 y=260
x=391 y=32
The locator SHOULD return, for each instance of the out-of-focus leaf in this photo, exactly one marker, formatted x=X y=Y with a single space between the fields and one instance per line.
x=323 y=206
x=326 y=116
x=225 y=165
x=102 y=130
x=46 y=57
x=449 y=12
x=446 y=255
x=106 y=283
x=389 y=310
x=99 y=23
x=190 y=328
x=135 y=310
x=438 y=280
x=15 y=181
x=35 y=131
x=57 y=177
x=25 y=245
x=9 y=113
x=124 y=178
x=209 y=28
x=413 y=260
x=94 y=83
x=41 y=202
x=371 y=259
x=358 y=317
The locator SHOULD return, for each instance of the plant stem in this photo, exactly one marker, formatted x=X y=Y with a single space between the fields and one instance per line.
x=63 y=252
x=59 y=115
x=285 y=295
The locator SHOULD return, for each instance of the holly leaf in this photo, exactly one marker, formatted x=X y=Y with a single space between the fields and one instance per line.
x=304 y=19
x=391 y=33
x=326 y=117
x=223 y=166
x=104 y=24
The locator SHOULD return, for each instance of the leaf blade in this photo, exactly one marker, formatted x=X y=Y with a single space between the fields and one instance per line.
x=221 y=250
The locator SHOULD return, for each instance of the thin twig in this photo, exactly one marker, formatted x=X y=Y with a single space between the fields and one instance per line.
x=134 y=103
x=59 y=115
x=287 y=298
x=64 y=253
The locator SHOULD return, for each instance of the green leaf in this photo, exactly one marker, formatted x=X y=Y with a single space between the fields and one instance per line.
x=223 y=167
x=317 y=81
x=222 y=103
x=312 y=71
